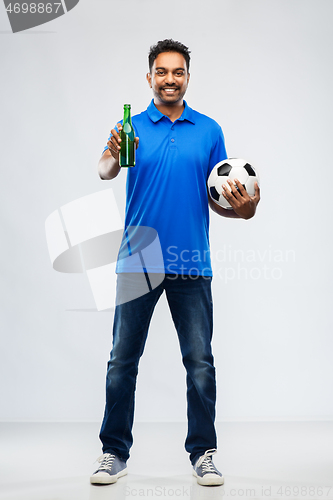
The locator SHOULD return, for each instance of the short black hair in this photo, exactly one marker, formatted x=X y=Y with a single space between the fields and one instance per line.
x=168 y=45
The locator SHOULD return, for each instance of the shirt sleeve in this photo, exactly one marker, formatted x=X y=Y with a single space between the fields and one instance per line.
x=218 y=152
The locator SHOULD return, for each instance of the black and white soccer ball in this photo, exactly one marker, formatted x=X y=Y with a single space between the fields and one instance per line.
x=232 y=168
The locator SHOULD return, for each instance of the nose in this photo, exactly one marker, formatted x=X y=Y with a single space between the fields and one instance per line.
x=169 y=78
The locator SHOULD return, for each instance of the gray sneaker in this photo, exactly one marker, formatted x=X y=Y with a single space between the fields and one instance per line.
x=109 y=471
x=206 y=472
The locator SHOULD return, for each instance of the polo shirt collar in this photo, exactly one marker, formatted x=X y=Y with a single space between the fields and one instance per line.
x=155 y=115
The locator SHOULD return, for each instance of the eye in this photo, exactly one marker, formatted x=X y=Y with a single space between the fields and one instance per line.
x=179 y=73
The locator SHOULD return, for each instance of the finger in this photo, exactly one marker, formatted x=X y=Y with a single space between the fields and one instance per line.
x=226 y=190
x=115 y=134
x=113 y=152
x=241 y=190
x=234 y=191
x=114 y=144
x=256 y=192
x=137 y=142
x=228 y=195
x=114 y=140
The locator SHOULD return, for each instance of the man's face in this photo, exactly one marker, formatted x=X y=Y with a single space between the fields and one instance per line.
x=168 y=78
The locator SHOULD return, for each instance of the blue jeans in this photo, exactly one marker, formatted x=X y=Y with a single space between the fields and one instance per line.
x=190 y=303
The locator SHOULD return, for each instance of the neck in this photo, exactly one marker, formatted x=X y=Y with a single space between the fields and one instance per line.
x=172 y=111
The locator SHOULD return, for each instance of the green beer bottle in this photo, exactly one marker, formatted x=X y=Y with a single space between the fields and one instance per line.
x=127 y=145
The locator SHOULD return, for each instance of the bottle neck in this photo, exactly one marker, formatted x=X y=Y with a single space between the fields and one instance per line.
x=127 y=114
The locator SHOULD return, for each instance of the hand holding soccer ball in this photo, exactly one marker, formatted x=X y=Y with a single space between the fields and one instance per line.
x=234 y=184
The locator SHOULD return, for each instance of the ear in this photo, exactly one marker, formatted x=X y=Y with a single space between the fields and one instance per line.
x=149 y=79
x=188 y=78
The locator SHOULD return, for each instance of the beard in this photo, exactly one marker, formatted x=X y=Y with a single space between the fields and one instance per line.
x=169 y=98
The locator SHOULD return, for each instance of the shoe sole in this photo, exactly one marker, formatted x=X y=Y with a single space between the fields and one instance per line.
x=94 y=479
x=209 y=479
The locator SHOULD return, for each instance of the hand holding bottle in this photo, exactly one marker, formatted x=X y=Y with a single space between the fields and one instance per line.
x=124 y=143
x=114 y=142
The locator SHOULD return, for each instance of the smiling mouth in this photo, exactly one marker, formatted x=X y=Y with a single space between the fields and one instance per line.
x=169 y=90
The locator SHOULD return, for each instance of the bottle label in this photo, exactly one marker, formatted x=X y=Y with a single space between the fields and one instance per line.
x=127 y=128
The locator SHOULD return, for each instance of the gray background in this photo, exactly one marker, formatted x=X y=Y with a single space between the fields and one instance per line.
x=263 y=70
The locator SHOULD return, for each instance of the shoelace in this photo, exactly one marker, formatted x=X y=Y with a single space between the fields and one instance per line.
x=206 y=461
x=106 y=460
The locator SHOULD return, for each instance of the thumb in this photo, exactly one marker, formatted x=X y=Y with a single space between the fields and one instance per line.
x=256 y=191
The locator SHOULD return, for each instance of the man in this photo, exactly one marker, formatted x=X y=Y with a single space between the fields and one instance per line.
x=167 y=191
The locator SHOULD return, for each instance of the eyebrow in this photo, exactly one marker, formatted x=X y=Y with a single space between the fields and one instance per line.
x=176 y=69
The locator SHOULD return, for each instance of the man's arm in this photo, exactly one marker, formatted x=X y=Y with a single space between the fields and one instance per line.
x=243 y=206
x=108 y=167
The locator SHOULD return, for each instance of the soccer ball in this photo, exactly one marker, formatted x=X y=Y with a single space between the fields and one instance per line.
x=232 y=168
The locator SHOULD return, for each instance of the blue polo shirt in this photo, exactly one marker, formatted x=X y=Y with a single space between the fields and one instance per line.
x=166 y=191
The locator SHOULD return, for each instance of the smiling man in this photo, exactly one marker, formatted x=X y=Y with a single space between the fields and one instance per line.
x=169 y=78
x=167 y=191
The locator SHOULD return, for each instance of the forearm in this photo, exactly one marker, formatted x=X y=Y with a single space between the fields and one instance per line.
x=108 y=167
